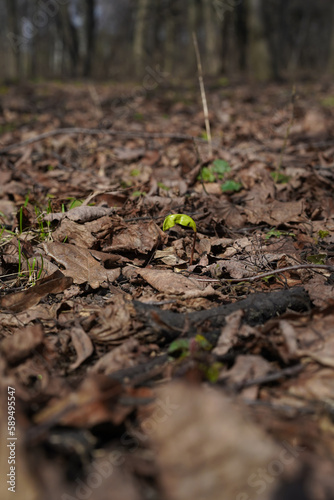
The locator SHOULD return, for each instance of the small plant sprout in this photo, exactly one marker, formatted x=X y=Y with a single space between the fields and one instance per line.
x=182 y=220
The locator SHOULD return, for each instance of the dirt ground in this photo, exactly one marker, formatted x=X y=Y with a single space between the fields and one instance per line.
x=146 y=357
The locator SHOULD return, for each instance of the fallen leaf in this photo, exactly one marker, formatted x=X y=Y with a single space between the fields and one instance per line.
x=129 y=153
x=275 y=213
x=175 y=284
x=20 y=301
x=120 y=357
x=75 y=233
x=113 y=321
x=22 y=342
x=92 y=403
x=82 y=344
x=204 y=445
x=139 y=238
x=80 y=265
x=80 y=214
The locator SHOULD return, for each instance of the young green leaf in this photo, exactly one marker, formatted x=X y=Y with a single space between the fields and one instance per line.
x=206 y=175
x=179 y=347
x=182 y=219
x=280 y=178
x=322 y=233
x=221 y=167
x=317 y=259
x=231 y=186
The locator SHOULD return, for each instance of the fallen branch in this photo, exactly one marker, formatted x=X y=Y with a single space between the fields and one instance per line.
x=97 y=131
x=264 y=275
x=164 y=326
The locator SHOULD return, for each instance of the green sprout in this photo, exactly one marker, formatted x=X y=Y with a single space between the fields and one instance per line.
x=322 y=233
x=182 y=220
x=277 y=233
x=231 y=186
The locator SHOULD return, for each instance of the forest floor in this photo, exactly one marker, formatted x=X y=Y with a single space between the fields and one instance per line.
x=129 y=371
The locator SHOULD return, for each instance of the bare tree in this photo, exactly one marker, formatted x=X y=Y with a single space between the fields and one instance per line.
x=13 y=35
x=139 y=36
x=212 y=39
x=90 y=35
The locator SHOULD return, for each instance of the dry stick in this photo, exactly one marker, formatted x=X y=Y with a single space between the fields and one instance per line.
x=204 y=102
x=269 y=273
x=96 y=131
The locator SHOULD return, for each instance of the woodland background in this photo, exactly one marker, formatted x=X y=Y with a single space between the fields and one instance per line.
x=261 y=39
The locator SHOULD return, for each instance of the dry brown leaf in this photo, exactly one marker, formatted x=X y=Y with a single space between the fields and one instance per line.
x=246 y=368
x=22 y=342
x=139 y=238
x=275 y=212
x=237 y=269
x=229 y=333
x=80 y=214
x=205 y=446
x=120 y=357
x=80 y=264
x=113 y=322
x=94 y=402
x=320 y=292
x=20 y=301
x=128 y=153
x=75 y=233
x=175 y=284
x=82 y=344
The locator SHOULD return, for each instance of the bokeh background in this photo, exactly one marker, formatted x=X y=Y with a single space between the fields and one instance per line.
x=119 y=39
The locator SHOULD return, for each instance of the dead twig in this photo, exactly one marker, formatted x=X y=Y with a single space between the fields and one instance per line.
x=271 y=377
x=203 y=96
x=265 y=275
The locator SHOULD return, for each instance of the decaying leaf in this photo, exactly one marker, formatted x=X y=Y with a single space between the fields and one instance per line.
x=80 y=264
x=82 y=345
x=139 y=238
x=22 y=342
x=20 y=301
x=80 y=214
x=175 y=284
x=205 y=446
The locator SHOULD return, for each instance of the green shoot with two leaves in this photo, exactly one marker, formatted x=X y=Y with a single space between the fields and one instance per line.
x=182 y=220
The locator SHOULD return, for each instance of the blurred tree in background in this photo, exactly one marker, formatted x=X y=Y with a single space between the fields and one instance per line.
x=116 y=39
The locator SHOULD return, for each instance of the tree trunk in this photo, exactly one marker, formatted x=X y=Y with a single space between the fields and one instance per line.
x=139 y=36
x=212 y=42
x=258 y=56
x=90 y=36
x=15 y=39
x=192 y=24
x=70 y=42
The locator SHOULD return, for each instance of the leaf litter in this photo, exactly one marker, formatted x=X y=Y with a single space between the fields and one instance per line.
x=93 y=293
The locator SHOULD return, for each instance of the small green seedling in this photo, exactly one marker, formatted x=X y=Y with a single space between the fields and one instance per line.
x=322 y=233
x=215 y=171
x=221 y=167
x=317 y=259
x=231 y=187
x=277 y=233
x=182 y=220
x=179 y=348
x=280 y=178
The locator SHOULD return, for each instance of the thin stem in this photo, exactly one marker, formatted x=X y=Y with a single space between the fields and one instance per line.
x=203 y=96
x=193 y=249
x=269 y=273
